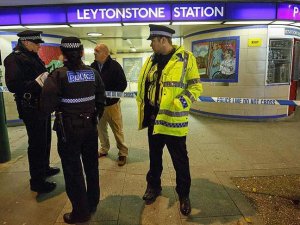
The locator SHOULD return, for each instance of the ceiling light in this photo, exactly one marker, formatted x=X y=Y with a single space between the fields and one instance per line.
x=11 y=27
x=94 y=34
x=282 y=22
x=45 y=26
x=195 y=22
x=96 y=25
x=254 y=22
x=296 y=24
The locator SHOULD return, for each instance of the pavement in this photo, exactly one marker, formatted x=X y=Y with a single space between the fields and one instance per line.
x=218 y=150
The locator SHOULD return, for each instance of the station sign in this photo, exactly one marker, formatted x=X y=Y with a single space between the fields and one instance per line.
x=251 y=11
x=148 y=12
x=9 y=16
x=43 y=15
x=286 y=11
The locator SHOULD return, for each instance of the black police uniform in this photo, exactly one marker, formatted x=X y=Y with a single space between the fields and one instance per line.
x=22 y=67
x=80 y=97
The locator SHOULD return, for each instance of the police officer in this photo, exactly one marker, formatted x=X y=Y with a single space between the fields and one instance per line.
x=168 y=84
x=25 y=73
x=76 y=92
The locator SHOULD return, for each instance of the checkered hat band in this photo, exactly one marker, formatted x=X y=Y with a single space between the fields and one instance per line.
x=160 y=33
x=70 y=45
x=30 y=38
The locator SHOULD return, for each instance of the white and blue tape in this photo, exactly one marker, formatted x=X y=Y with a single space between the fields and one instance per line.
x=250 y=101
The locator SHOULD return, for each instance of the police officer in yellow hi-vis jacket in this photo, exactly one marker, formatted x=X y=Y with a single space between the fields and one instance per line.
x=168 y=84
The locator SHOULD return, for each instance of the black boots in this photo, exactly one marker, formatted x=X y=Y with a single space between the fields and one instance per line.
x=42 y=186
x=185 y=205
x=151 y=194
x=71 y=218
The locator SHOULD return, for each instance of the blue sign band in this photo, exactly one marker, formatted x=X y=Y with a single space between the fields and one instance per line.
x=148 y=12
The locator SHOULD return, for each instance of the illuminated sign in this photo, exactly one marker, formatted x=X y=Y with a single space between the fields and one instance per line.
x=9 y=16
x=287 y=11
x=198 y=11
x=152 y=12
x=250 y=11
x=43 y=15
x=108 y=14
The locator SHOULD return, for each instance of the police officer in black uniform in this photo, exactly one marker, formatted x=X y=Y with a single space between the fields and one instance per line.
x=76 y=93
x=24 y=76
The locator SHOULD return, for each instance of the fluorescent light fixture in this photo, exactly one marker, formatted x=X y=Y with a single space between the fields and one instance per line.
x=94 y=34
x=282 y=22
x=254 y=22
x=141 y=24
x=11 y=27
x=296 y=24
x=46 y=26
x=195 y=22
x=96 y=25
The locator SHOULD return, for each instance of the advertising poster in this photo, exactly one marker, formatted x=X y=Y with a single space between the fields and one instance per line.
x=217 y=59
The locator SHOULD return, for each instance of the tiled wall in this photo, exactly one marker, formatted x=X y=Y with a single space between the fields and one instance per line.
x=251 y=77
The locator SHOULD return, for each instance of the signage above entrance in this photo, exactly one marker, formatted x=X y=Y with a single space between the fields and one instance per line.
x=287 y=11
x=152 y=12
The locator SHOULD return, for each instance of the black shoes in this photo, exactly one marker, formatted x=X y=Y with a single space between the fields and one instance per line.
x=42 y=187
x=185 y=205
x=71 y=218
x=151 y=194
x=51 y=171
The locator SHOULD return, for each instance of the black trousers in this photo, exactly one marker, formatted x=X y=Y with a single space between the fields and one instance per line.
x=39 y=144
x=178 y=152
x=81 y=147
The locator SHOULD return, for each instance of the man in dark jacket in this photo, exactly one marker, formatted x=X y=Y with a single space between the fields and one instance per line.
x=114 y=79
x=25 y=73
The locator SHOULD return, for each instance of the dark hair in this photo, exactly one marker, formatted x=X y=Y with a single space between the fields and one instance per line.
x=73 y=59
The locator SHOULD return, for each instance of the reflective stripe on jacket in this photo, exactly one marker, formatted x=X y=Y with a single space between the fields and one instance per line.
x=181 y=87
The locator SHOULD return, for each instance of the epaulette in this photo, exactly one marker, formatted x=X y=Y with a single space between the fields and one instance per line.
x=18 y=52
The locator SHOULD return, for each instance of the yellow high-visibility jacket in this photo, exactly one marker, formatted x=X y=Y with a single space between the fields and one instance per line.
x=180 y=81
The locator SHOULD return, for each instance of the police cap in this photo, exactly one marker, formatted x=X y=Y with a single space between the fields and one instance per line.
x=160 y=31
x=31 y=35
x=71 y=44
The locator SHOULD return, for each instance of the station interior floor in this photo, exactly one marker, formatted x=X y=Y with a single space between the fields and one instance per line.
x=218 y=150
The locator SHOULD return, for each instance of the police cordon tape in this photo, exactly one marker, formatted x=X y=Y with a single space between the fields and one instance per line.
x=250 y=101
x=228 y=100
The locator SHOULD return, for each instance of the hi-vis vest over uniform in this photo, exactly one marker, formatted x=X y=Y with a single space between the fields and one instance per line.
x=180 y=83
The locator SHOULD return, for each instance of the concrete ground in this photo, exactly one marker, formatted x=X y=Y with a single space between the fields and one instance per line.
x=218 y=150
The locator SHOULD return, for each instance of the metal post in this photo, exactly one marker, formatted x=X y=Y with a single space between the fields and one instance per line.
x=4 y=142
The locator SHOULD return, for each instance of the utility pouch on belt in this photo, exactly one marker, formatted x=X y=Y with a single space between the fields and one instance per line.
x=60 y=126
